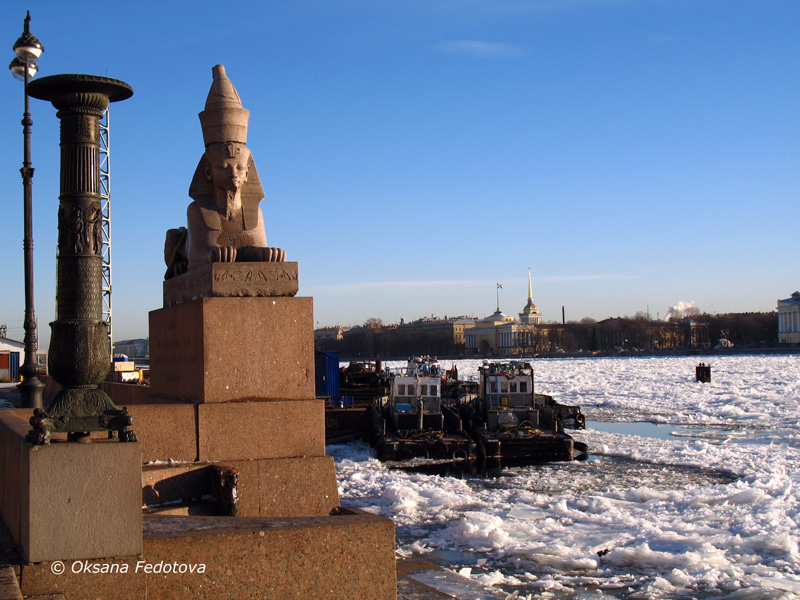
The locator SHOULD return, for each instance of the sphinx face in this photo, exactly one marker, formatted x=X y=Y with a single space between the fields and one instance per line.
x=226 y=166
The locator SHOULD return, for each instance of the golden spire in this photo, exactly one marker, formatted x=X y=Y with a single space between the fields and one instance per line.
x=530 y=287
x=530 y=307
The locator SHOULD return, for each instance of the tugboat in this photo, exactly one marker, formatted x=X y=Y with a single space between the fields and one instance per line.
x=514 y=425
x=498 y=421
x=413 y=421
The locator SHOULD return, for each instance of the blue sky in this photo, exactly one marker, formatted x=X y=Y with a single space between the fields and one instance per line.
x=414 y=153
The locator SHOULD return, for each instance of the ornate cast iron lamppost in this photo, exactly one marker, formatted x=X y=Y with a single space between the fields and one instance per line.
x=79 y=351
x=28 y=49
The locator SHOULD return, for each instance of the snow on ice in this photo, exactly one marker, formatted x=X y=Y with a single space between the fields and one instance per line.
x=710 y=513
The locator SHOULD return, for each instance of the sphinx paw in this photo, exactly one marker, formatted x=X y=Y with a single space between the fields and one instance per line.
x=271 y=255
x=226 y=254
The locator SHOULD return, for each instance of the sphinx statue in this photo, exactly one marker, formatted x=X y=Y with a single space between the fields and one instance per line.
x=224 y=221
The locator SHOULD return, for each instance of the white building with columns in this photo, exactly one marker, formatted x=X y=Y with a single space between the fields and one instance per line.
x=789 y=320
x=501 y=334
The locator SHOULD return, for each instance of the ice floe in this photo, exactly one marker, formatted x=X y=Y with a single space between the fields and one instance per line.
x=710 y=513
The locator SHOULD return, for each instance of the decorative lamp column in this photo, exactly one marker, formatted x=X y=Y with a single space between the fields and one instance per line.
x=79 y=352
x=28 y=49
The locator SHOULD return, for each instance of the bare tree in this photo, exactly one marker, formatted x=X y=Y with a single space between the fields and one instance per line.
x=373 y=323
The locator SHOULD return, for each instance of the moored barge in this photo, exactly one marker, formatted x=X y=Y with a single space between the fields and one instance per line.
x=514 y=424
x=414 y=421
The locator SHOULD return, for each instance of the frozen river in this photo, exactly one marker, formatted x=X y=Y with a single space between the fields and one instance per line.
x=706 y=508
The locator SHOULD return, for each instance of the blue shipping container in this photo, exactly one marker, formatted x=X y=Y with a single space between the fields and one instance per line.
x=326 y=367
x=13 y=366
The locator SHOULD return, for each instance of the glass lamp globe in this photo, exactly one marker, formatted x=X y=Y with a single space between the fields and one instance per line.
x=18 y=66
x=28 y=45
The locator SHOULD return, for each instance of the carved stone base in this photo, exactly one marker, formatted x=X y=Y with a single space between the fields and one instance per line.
x=77 y=411
x=80 y=402
x=233 y=280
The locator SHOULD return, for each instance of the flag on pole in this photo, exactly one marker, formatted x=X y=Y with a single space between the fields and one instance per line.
x=499 y=286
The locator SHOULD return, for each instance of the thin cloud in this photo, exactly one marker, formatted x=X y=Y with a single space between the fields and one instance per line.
x=423 y=285
x=599 y=277
x=479 y=49
x=392 y=285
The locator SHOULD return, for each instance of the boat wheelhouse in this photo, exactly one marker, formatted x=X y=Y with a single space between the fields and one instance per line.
x=507 y=396
x=516 y=425
x=415 y=398
x=413 y=421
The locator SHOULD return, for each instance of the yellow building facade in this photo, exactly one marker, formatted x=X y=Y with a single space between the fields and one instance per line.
x=504 y=335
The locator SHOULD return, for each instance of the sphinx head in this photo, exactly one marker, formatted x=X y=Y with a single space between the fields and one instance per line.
x=226 y=166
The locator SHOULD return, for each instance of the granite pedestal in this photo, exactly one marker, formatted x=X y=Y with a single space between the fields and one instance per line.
x=233 y=349
x=236 y=359
x=70 y=501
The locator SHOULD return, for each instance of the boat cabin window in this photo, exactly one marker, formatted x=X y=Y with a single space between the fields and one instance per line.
x=401 y=389
x=523 y=387
x=513 y=387
x=503 y=387
x=423 y=390
x=493 y=386
x=434 y=391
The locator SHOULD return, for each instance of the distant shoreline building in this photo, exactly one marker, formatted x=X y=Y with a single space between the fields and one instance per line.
x=139 y=348
x=789 y=320
x=334 y=333
x=428 y=335
x=450 y=329
x=501 y=334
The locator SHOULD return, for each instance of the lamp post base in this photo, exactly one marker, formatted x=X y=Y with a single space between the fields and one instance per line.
x=30 y=393
x=115 y=422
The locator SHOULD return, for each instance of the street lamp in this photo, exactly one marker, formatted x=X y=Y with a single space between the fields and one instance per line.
x=28 y=49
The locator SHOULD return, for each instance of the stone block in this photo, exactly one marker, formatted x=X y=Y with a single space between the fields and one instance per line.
x=350 y=555
x=127 y=393
x=21 y=413
x=9 y=586
x=164 y=485
x=233 y=280
x=308 y=558
x=229 y=431
x=296 y=487
x=13 y=486
x=115 y=578
x=3 y=457
x=82 y=501
x=16 y=421
x=288 y=487
x=233 y=349
x=253 y=430
x=166 y=431
x=13 y=429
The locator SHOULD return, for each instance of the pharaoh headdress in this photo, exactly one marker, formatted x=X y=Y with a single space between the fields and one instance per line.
x=224 y=121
